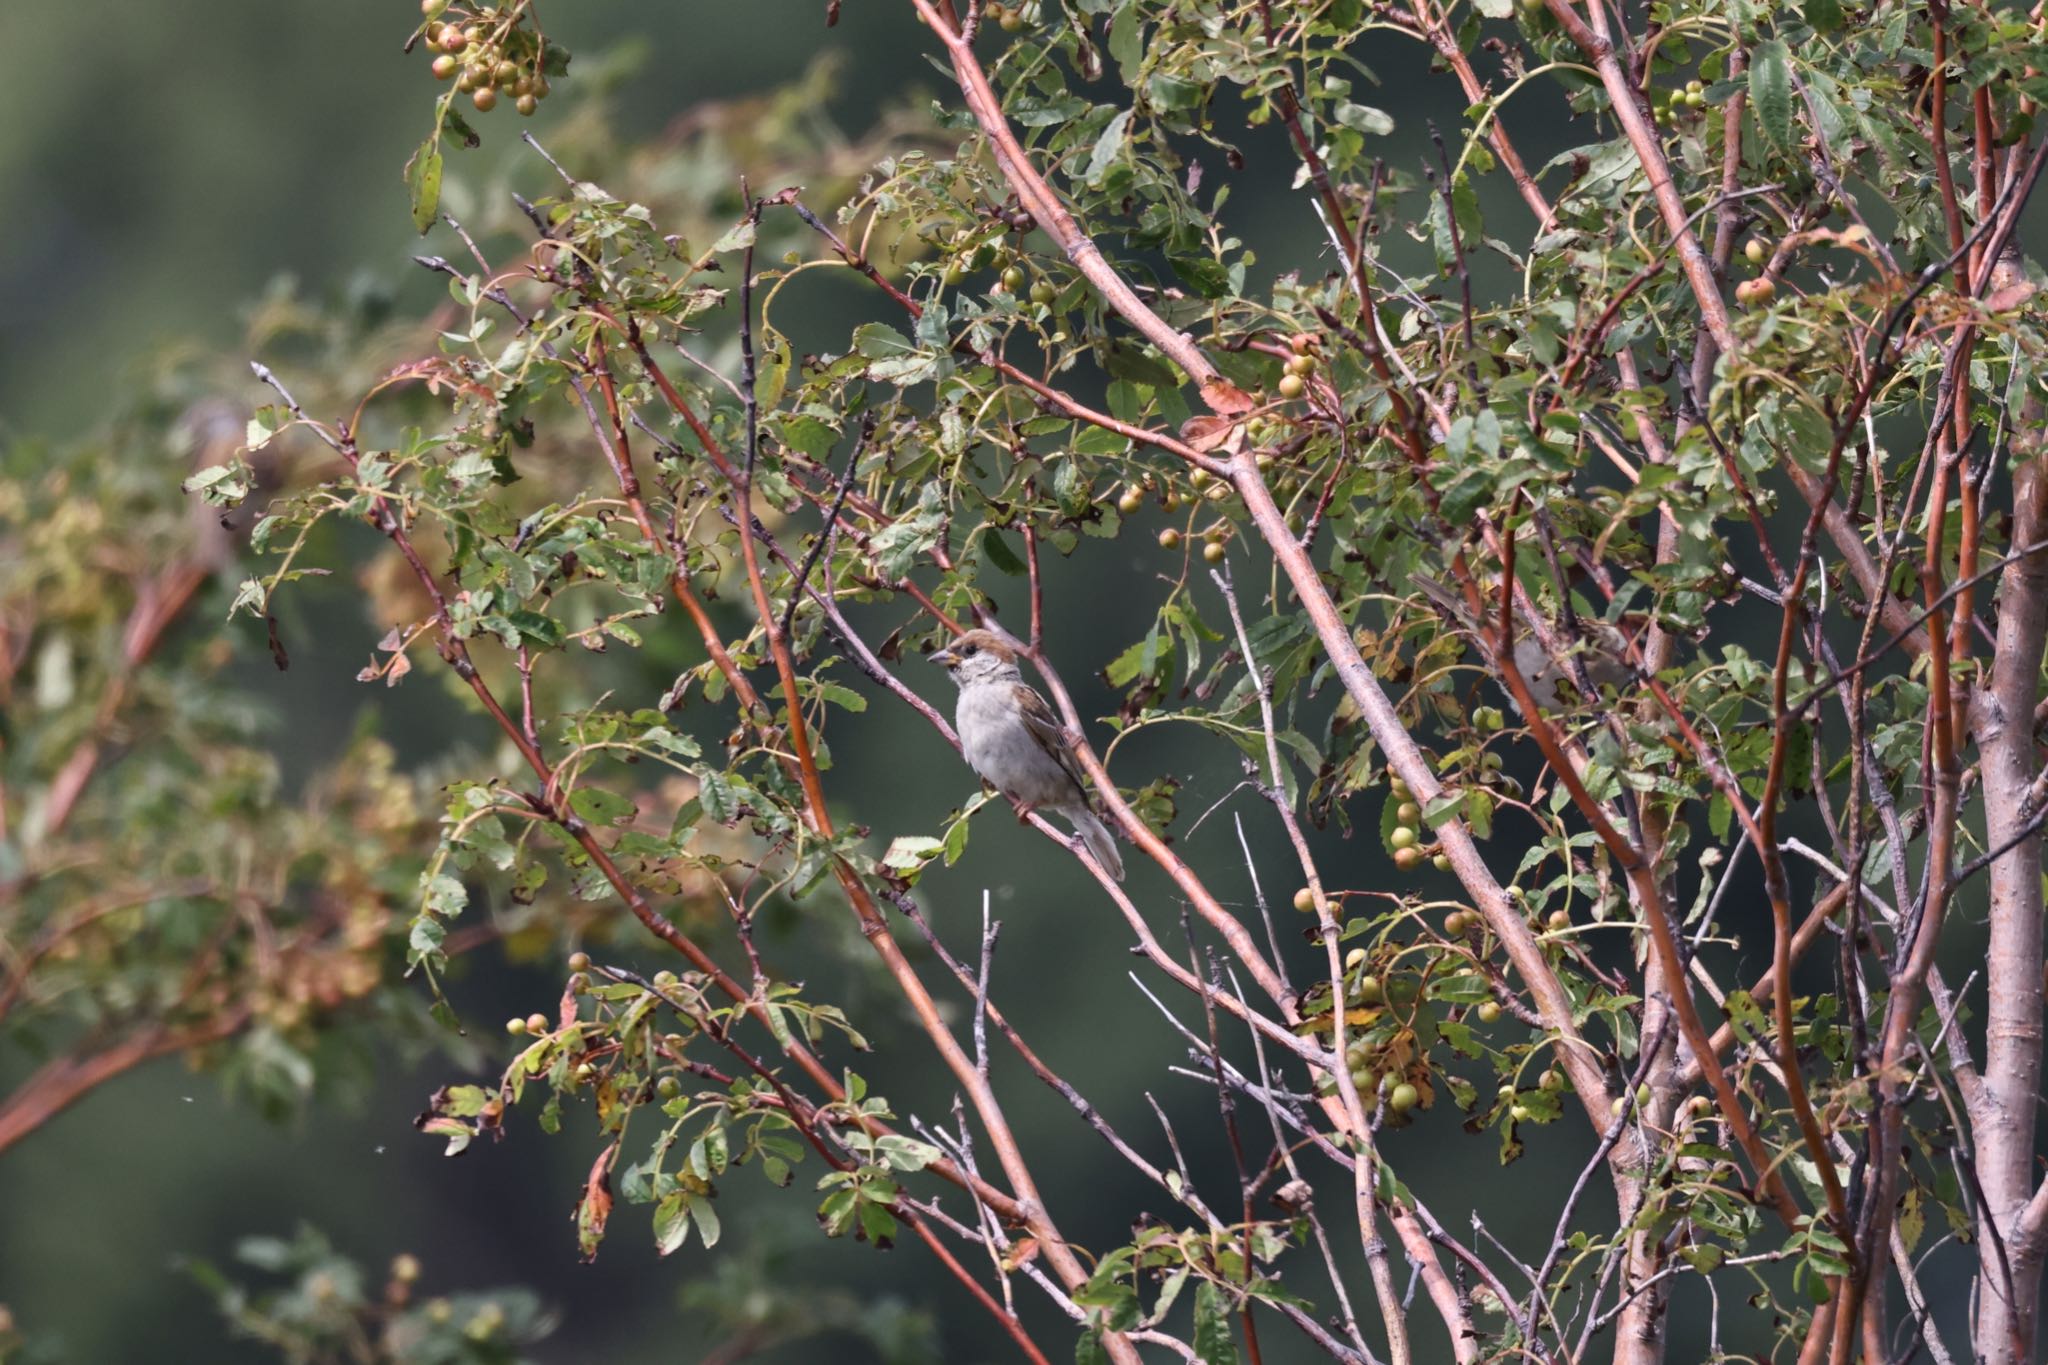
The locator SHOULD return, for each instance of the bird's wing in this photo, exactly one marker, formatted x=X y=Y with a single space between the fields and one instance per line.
x=1045 y=727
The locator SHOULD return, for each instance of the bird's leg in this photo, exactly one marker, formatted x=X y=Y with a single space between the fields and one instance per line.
x=1025 y=809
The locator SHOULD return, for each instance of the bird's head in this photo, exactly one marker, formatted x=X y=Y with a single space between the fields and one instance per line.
x=976 y=655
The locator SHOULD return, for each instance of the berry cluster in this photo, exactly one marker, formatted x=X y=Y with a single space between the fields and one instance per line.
x=486 y=54
x=1010 y=18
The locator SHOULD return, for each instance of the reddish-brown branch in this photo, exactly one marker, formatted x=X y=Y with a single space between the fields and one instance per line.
x=63 y=1081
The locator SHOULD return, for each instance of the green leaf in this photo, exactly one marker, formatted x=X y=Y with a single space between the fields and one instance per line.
x=1825 y=15
x=599 y=806
x=221 y=485
x=466 y=1101
x=715 y=794
x=1108 y=147
x=1364 y=118
x=423 y=183
x=671 y=1222
x=706 y=1219
x=1770 y=91
x=742 y=235
x=1213 y=1341
x=998 y=552
x=910 y=851
x=544 y=631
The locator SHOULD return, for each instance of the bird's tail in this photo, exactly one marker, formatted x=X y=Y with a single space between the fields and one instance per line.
x=1101 y=843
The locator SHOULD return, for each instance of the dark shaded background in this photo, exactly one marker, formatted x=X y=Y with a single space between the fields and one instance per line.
x=163 y=159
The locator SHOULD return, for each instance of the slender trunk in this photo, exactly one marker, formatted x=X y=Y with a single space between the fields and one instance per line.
x=1639 y=1335
x=2002 y=1112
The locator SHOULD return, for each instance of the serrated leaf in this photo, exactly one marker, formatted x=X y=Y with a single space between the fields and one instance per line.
x=910 y=851
x=1770 y=91
x=1213 y=1341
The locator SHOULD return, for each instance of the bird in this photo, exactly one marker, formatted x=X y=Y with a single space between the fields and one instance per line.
x=1012 y=738
x=1603 y=653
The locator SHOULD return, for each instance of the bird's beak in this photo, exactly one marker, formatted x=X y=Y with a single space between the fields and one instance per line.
x=944 y=658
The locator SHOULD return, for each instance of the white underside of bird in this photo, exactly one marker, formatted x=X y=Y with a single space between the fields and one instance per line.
x=1001 y=743
x=1014 y=741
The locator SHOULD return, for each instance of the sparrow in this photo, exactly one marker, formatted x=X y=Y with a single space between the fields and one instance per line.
x=1011 y=737
x=1604 y=653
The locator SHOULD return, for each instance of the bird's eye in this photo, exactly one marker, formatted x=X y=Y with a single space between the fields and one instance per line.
x=970 y=651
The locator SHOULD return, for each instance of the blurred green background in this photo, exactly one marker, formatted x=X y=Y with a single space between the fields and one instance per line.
x=162 y=159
